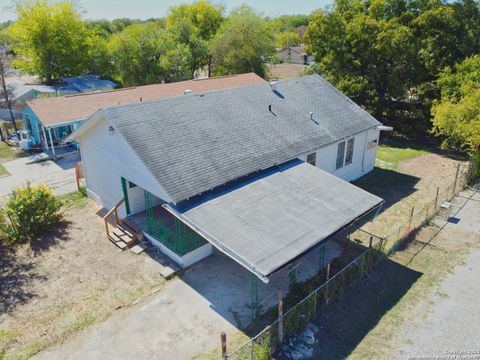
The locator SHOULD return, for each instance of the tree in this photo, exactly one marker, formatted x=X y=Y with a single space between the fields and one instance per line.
x=287 y=39
x=51 y=40
x=194 y=25
x=6 y=91
x=135 y=53
x=456 y=117
x=243 y=44
x=387 y=54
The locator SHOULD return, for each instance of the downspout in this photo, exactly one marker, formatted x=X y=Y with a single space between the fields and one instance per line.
x=45 y=145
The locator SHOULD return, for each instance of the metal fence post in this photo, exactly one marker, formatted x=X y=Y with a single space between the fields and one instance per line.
x=456 y=179
x=223 y=339
x=280 y=315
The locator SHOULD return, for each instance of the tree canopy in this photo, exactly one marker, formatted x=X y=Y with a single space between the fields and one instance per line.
x=456 y=116
x=242 y=44
x=51 y=40
x=387 y=54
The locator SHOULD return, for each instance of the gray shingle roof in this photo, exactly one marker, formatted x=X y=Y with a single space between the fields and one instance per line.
x=196 y=142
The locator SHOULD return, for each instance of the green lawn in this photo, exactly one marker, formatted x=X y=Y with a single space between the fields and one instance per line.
x=390 y=154
x=74 y=199
x=6 y=152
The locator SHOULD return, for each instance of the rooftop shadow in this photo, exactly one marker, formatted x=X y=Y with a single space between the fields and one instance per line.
x=390 y=185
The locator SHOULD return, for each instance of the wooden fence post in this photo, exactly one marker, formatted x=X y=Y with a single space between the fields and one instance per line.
x=370 y=242
x=280 y=315
x=223 y=338
x=436 y=199
x=411 y=217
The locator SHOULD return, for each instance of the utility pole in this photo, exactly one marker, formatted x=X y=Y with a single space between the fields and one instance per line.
x=4 y=68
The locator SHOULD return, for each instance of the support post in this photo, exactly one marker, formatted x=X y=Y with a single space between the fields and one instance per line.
x=370 y=242
x=436 y=198
x=45 y=144
x=327 y=286
x=254 y=295
x=280 y=314
x=223 y=339
x=456 y=179
x=51 y=141
x=321 y=257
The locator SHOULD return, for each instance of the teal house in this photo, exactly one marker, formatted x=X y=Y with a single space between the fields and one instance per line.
x=50 y=120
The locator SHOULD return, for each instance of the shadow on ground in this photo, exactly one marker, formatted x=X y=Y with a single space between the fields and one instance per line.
x=390 y=185
x=18 y=268
x=347 y=320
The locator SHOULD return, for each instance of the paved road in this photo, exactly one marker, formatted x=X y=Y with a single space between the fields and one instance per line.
x=59 y=175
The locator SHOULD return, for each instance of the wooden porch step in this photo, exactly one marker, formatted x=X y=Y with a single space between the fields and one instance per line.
x=117 y=241
x=127 y=238
x=130 y=225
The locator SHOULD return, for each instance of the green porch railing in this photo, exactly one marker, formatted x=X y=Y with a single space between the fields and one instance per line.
x=182 y=241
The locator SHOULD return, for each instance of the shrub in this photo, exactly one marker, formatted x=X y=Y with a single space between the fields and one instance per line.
x=29 y=211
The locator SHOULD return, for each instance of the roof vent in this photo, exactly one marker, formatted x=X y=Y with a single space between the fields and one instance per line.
x=187 y=91
x=311 y=118
x=273 y=85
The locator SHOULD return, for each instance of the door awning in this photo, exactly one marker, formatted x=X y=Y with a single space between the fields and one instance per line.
x=266 y=221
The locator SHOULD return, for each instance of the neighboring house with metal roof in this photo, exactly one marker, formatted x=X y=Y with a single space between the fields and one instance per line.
x=232 y=170
x=50 y=120
x=295 y=55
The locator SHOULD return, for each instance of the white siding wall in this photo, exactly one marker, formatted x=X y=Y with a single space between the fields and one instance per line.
x=106 y=158
x=363 y=159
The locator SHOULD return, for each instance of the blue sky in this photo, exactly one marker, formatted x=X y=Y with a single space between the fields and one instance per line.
x=142 y=9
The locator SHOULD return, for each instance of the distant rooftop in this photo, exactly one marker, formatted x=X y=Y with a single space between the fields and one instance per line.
x=56 y=110
x=71 y=85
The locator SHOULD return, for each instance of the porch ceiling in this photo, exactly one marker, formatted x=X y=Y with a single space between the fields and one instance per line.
x=266 y=222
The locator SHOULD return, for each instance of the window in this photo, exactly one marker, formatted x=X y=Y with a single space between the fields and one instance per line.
x=312 y=158
x=372 y=144
x=349 y=153
x=340 y=155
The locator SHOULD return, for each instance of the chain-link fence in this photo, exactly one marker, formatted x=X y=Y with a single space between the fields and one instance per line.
x=421 y=216
x=270 y=339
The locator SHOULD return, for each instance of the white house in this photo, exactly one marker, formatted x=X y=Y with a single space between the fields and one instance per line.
x=295 y=55
x=232 y=169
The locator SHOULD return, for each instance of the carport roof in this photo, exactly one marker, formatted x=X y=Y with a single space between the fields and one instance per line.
x=267 y=221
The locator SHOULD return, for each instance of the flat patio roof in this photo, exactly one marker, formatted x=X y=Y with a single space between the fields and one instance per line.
x=266 y=221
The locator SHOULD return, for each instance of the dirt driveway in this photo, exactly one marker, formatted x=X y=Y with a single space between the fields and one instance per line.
x=60 y=175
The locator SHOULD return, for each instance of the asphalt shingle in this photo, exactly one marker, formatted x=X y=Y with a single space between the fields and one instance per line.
x=196 y=142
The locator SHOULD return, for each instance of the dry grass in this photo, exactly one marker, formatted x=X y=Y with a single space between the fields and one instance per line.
x=409 y=179
x=70 y=279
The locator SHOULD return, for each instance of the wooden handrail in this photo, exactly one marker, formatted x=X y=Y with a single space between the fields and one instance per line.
x=113 y=210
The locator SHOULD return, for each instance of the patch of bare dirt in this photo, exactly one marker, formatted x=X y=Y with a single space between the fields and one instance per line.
x=70 y=278
x=412 y=186
x=285 y=71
